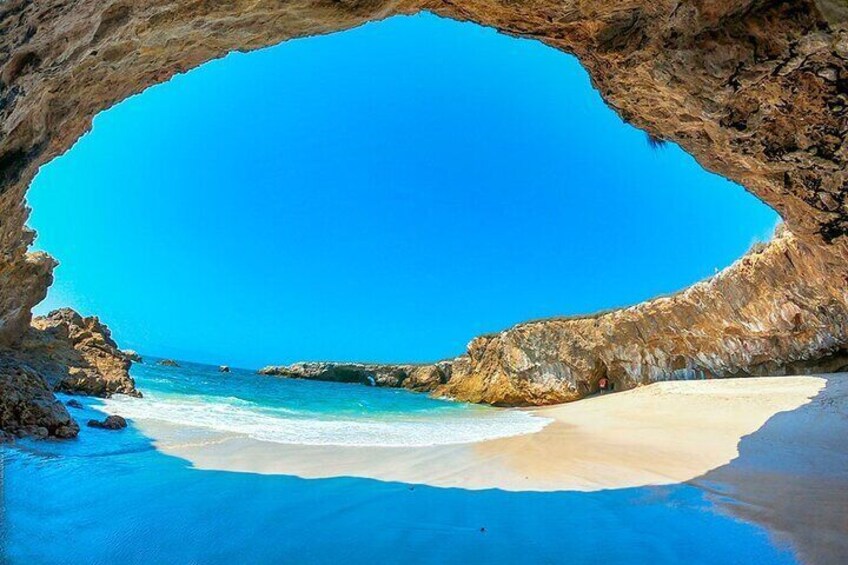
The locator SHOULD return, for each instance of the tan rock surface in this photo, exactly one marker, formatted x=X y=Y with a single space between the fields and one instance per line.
x=77 y=355
x=61 y=352
x=755 y=91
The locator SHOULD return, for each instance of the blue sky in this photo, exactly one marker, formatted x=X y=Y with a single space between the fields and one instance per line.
x=384 y=194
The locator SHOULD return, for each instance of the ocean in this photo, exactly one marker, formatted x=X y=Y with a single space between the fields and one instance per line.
x=113 y=497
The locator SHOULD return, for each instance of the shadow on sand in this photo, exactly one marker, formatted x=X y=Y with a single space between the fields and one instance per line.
x=112 y=497
x=791 y=476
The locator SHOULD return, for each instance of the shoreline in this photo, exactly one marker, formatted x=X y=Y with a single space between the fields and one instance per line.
x=660 y=434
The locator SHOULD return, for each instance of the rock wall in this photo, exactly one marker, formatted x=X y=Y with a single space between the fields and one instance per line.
x=780 y=309
x=60 y=352
x=777 y=310
x=755 y=90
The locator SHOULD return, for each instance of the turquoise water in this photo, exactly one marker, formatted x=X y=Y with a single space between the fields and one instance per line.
x=310 y=413
x=111 y=497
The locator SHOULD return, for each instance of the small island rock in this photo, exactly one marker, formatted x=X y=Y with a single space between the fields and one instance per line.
x=223 y=369
x=168 y=363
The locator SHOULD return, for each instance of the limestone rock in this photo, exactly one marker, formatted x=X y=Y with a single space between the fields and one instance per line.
x=27 y=405
x=132 y=355
x=76 y=355
x=778 y=310
x=755 y=91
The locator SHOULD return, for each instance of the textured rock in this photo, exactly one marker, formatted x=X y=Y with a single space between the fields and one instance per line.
x=415 y=377
x=756 y=91
x=132 y=355
x=76 y=355
x=62 y=352
x=168 y=363
x=27 y=405
x=112 y=422
x=777 y=310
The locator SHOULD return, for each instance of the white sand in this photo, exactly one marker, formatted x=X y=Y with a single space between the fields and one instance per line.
x=660 y=434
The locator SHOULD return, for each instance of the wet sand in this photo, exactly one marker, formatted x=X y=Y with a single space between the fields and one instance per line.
x=661 y=434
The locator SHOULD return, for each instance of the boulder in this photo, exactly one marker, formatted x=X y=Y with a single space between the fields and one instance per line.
x=113 y=422
x=77 y=355
x=74 y=403
x=28 y=406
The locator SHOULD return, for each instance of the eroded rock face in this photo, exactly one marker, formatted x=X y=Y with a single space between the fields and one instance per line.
x=413 y=377
x=132 y=355
x=76 y=355
x=756 y=91
x=28 y=406
x=60 y=352
x=778 y=310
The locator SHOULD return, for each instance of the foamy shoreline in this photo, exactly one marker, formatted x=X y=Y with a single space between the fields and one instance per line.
x=660 y=434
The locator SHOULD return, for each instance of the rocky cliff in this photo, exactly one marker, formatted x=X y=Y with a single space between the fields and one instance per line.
x=782 y=308
x=756 y=91
x=60 y=352
x=778 y=310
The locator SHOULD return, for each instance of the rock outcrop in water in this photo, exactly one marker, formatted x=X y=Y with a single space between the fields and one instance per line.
x=755 y=91
x=413 y=377
x=60 y=352
x=112 y=422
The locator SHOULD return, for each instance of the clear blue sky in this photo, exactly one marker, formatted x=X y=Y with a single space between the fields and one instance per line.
x=385 y=194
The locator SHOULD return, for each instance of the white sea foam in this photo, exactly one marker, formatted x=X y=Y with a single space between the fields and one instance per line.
x=280 y=427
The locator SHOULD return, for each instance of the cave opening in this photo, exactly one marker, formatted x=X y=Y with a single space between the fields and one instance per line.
x=494 y=186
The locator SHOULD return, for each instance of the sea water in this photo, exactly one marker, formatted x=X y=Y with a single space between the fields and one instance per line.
x=310 y=413
x=112 y=497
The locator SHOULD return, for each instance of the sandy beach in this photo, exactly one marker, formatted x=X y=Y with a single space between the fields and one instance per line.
x=665 y=433
x=771 y=451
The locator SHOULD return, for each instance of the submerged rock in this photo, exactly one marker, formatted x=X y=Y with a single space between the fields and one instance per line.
x=168 y=363
x=74 y=403
x=223 y=369
x=113 y=422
